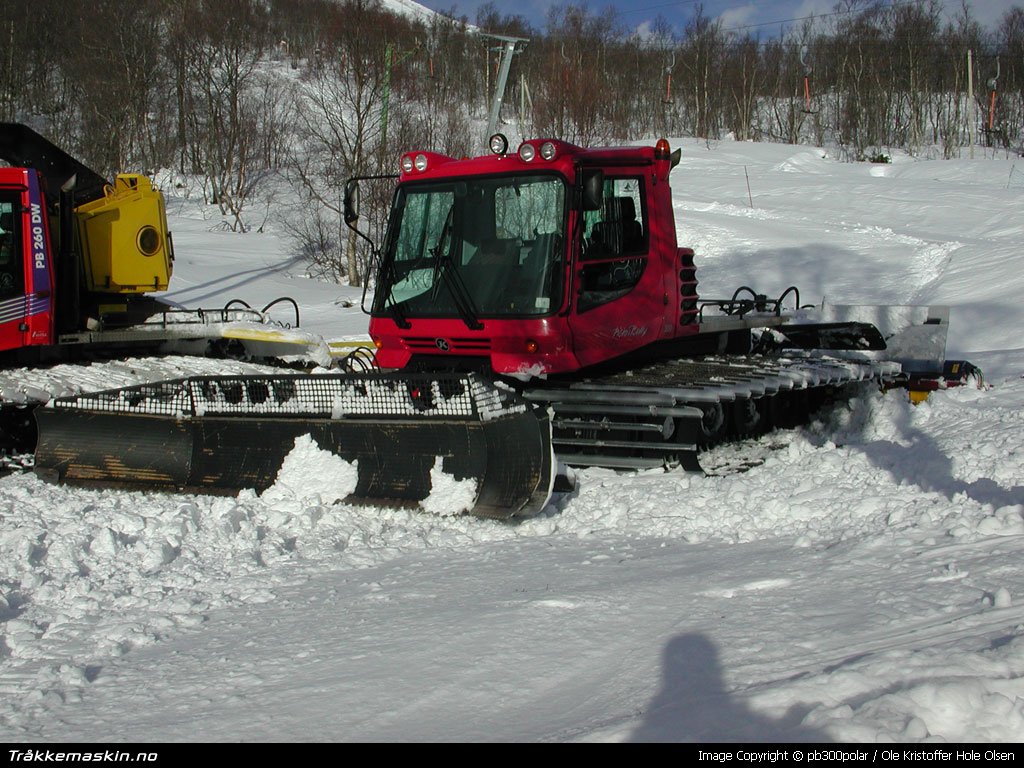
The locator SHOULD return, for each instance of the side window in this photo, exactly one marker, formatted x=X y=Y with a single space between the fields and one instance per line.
x=12 y=266
x=619 y=227
x=614 y=250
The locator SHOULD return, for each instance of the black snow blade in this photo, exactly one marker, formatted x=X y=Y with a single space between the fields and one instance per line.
x=404 y=433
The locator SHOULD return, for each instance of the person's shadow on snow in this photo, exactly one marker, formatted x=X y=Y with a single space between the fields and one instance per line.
x=694 y=706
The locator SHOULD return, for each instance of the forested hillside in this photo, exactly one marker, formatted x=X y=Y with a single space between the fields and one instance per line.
x=239 y=99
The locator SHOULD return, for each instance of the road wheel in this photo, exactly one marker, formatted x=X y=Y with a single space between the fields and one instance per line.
x=747 y=417
x=712 y=425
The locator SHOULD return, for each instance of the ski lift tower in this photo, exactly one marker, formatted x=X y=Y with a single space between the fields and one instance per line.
x=509 y=47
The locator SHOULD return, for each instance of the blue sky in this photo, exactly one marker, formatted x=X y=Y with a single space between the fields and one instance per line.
x=760 y=17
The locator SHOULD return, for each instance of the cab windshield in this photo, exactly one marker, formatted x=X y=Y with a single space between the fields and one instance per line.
x=485 y=247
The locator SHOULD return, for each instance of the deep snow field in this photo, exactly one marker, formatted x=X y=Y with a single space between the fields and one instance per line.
x=863 y=584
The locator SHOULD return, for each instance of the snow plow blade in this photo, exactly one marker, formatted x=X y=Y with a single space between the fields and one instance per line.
x=226 y=433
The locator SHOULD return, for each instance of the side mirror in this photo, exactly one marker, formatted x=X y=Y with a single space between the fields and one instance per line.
x=593 y=189
x=351 y=202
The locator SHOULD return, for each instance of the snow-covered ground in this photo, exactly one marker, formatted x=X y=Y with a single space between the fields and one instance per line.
x=863 y=584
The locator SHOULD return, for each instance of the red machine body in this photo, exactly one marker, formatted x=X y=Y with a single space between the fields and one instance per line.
x=512 y=257
x=26 y=269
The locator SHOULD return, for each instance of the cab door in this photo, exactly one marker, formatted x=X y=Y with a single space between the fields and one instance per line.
x=12 y=271
x=26 y=274
x=620 y=302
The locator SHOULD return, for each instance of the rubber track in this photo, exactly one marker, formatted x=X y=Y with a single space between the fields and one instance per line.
x=652 y=416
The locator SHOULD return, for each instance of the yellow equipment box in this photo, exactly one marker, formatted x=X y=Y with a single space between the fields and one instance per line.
x=124 y=239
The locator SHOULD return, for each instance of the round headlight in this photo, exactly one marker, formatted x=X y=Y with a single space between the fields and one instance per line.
x=421 y=162
x=149 y=241
x=527 y=153
x=406 y=164
x=547 y=150
x=499 y=144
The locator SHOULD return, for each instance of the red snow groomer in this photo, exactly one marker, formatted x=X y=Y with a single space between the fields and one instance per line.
x=547 y=281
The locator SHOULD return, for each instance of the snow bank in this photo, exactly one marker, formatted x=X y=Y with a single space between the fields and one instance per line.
x=873 y=465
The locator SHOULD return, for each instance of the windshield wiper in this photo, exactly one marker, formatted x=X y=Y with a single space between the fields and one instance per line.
x=439 y=252
x=392 y=307
x=397 y=313
x=463 y=303
x=444 y=272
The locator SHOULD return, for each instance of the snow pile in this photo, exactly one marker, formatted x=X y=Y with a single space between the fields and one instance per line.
x=970 y=696
x=872 y=465
x=311 y=475
x=448 y=496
